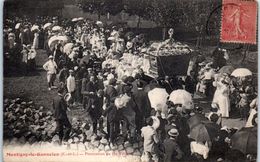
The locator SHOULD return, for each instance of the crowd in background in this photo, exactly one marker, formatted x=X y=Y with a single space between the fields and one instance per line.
x=83 y=64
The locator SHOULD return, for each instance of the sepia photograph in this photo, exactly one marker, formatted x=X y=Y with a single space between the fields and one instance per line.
x=130 y=80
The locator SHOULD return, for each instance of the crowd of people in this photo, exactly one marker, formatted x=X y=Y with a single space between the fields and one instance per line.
x=83 y=59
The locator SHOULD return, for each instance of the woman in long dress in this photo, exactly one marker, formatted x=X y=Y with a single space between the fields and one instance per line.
x=36 y=40
x=221 y=97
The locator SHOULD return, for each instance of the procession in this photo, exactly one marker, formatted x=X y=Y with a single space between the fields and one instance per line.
x=115 y=89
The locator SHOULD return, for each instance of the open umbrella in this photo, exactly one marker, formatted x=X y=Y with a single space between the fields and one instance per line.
x=204 y=132
x=17 y=26
x=226 y=69
x=245 y=140
x=63 y=38
x=182 y=97
x=158 y=98
x=45 y=26
x=74 y=20
x=111 y=38
x=67 y=49
x=196 y=120
x=241 y=72
x=80 y=18
x=56 y=39
x=34 y=27
x=56 y=28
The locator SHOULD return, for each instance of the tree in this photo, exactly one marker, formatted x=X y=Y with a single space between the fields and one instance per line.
x=165 y=13
x=139 y=8
x=101 y=7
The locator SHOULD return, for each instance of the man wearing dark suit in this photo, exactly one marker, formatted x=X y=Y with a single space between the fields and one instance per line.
x=110 y=95
x=60 y=107
x=141 y=100
x=138 y=78
x=89 y=91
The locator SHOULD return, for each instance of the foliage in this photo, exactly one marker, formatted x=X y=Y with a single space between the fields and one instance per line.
x=101 y=7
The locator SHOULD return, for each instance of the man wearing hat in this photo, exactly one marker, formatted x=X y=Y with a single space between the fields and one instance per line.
x=142 y=102
x=89 y=91
x=60 y=107
x=172 y=149
x=51 y=67
x=123 y=85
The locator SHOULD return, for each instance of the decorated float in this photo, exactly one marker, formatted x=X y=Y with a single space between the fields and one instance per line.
x=167 y=58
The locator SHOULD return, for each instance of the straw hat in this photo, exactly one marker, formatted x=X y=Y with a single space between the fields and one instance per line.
x=173 y=132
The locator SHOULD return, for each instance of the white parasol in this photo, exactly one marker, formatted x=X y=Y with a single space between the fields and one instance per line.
x=67 y=49
x=74 y=20
x=17 y=26
x=56 y=39
x=80 y=18
x=158 y=98
x=56 y=28
x=241 y=72
x=35 y=27
x=45 y=26
x=182 y=97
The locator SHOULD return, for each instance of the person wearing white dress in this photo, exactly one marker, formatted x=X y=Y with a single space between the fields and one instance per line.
x=51 y=67
x=36 y=40
x=71 y=85
x=221 y=97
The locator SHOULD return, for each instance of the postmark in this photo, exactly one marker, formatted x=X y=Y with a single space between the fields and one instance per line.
x=239 y=21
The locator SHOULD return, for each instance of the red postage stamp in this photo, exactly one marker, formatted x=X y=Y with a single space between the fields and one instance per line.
x=239 y=21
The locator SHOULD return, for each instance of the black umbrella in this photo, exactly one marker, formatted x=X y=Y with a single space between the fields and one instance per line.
x=196 y=120
x=204 y=132
x=245 y=140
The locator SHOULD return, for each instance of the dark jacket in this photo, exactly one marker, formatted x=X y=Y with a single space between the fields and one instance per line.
x=111 y=110
x=110 y=94
x=96 y=112
x=60 y=108
x=64 y=74
x=89 y=98
x=171 y=150
x=190 y=84
x=142 y=102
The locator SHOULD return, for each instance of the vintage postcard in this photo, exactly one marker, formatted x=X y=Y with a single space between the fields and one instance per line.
x=130 y=80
